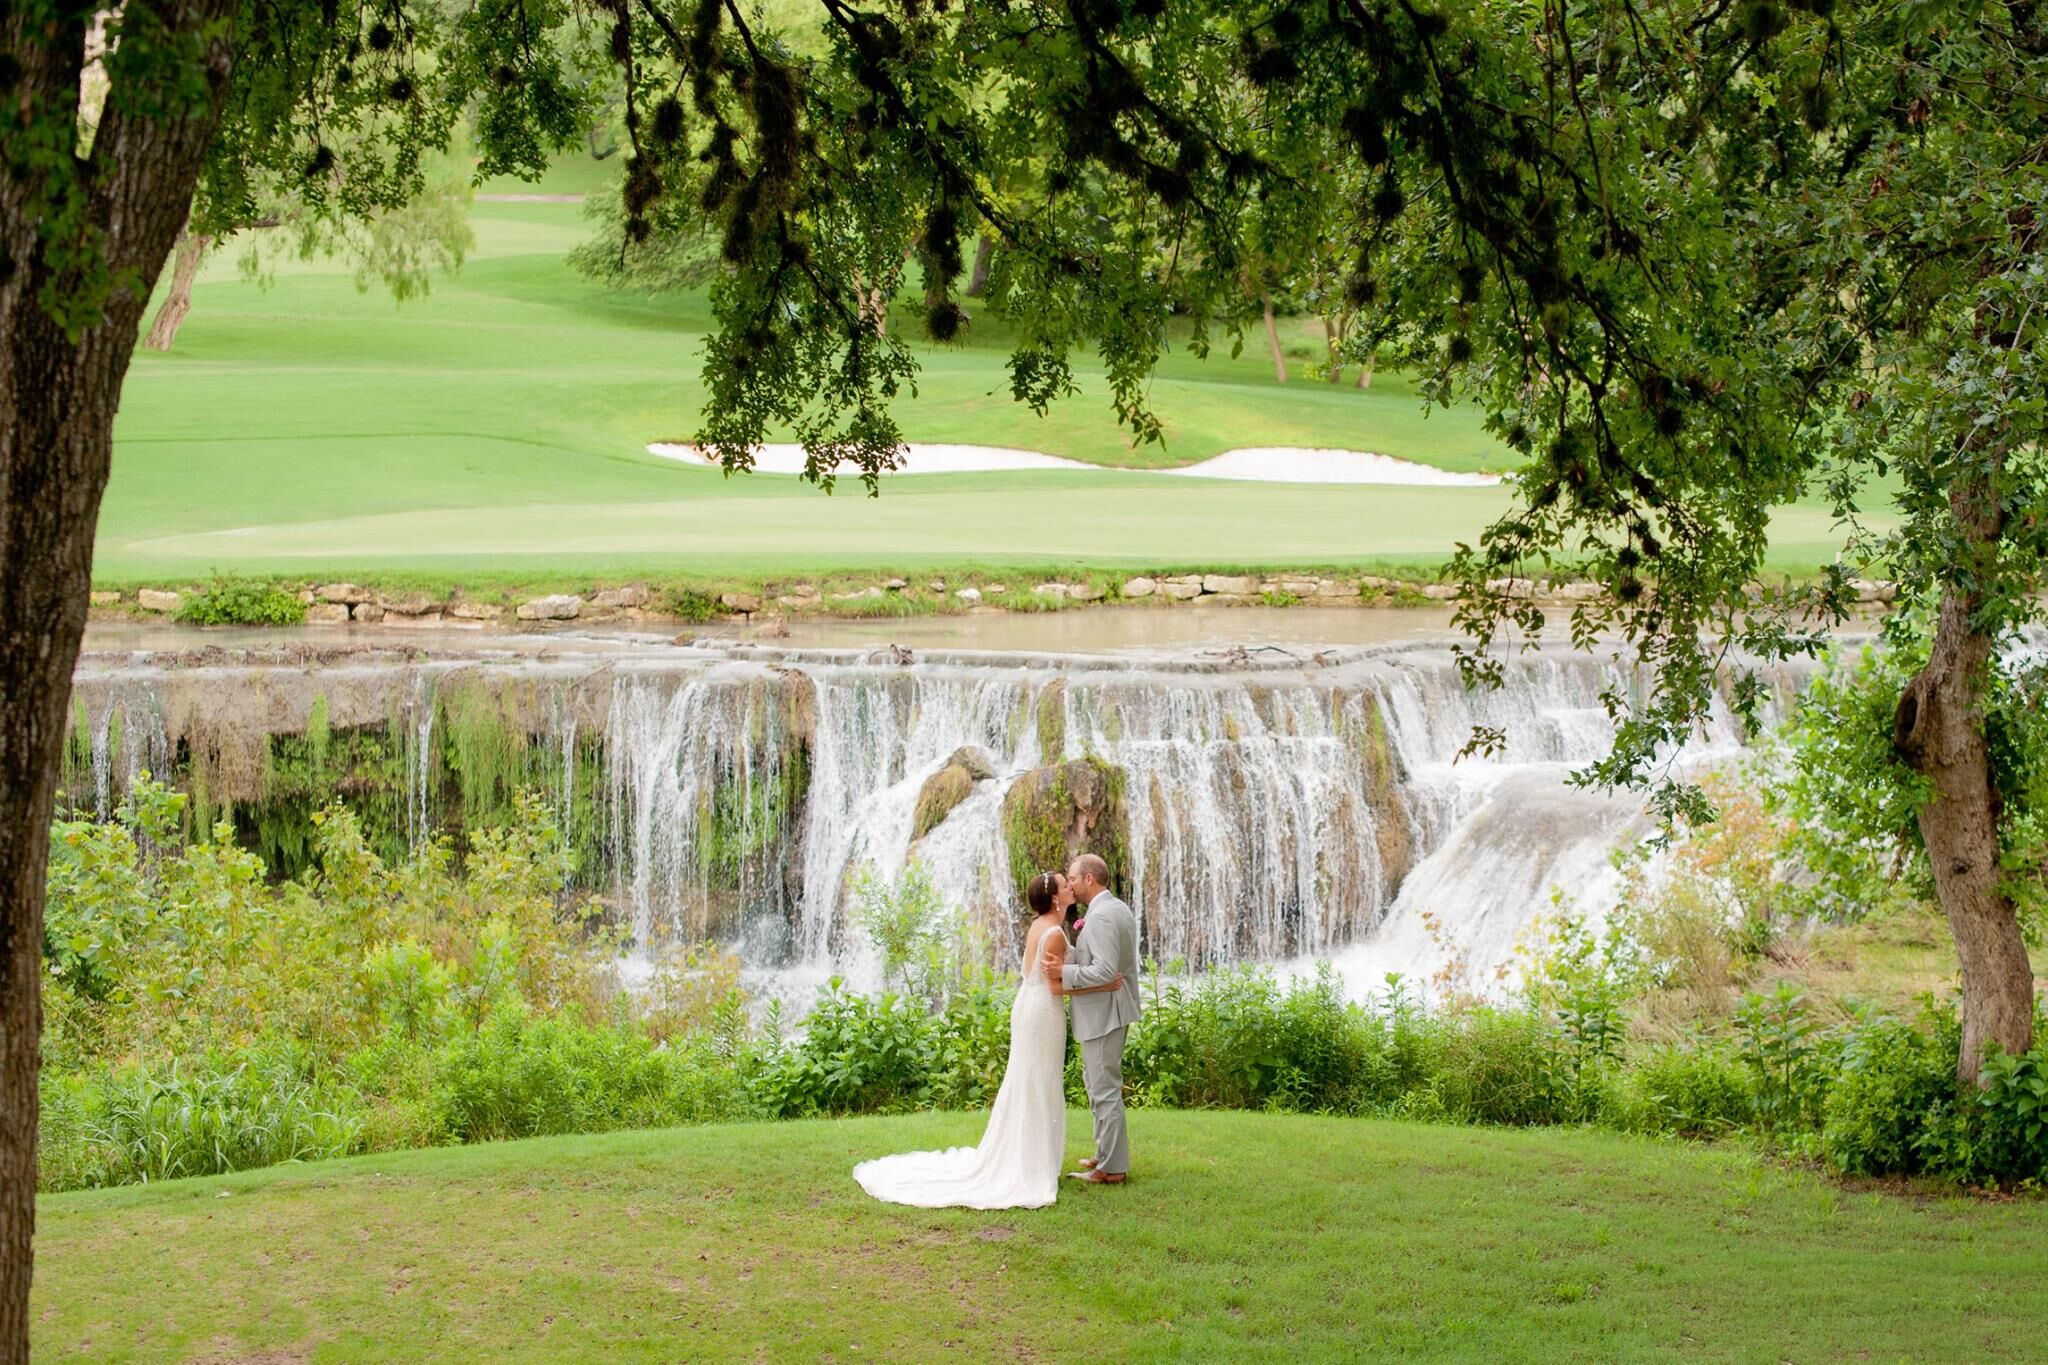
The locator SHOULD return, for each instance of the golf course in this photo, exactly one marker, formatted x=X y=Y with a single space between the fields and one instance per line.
x=499 y=427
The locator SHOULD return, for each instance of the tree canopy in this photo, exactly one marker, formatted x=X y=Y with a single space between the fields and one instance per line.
x=1695 y=261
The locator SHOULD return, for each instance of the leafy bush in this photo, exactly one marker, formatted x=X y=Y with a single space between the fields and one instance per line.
x=1896 y=1107
x=1779 y=1044
x=201 y=1019
x=2013 y=1110
x=1696 y=1091
x=971 y=1046
x=184 y=950
x=1582 y=983
x=859 y=1054
x=1854 y=802
x=523 y=1076
x=410 y=989
x=1500 y=1066
x=142 y=1123
x=1892 y=1083
x=927 y=951
x=1237 y=1041
x=690 y=605
x=242 y=602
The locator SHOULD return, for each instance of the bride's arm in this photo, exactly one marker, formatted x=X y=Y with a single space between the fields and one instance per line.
x=1053 y=955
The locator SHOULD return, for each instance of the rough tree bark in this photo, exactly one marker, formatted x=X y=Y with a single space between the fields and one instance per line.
x=58 y=393
x=170 y=316
x=1273 y=339
x=1939 y=730
x=984 y=253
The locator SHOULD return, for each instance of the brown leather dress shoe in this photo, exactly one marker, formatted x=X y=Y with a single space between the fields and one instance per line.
x=1091 y=1176
x=1087 y=1163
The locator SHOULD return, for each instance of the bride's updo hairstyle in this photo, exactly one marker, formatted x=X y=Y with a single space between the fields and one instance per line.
x=1038 y=894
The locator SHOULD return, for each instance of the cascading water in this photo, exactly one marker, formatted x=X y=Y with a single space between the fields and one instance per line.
x=1277 y=812
x=1508 y=838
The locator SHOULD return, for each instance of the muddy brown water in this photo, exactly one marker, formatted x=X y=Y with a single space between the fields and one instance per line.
x=1101 y=630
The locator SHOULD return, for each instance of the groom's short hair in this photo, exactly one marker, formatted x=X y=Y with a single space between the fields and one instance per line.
x=1093 y=868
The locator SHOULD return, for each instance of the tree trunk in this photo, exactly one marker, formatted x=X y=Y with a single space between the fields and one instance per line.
x=873 y=304
x=1939 y=730
x=1273 y=340
x=56 y=409
x=1365 y=372
x=163 y=332
x=1333 y=337
x=984 y=252
x=58 y=394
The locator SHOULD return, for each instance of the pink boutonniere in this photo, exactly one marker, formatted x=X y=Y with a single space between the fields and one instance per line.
x=1077 y=926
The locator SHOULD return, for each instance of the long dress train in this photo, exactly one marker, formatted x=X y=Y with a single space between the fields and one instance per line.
x=1017 y=1165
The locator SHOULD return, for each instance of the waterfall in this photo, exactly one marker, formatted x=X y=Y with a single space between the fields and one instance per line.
x=419 y=759
x=1274 y=811
x=699 y=824
x=1253 y=830
x=1508 y=839
x=118 y=735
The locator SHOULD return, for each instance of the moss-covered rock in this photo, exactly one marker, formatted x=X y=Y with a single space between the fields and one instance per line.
x=1051 y=715
x=1391 y=827
x=947 y=788
x=1050 y=814
x=799 y=707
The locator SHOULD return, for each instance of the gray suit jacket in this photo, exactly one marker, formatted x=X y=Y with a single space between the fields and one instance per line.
x=1108 y=945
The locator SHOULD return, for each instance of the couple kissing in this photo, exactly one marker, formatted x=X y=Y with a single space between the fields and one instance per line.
x=1017 y=1164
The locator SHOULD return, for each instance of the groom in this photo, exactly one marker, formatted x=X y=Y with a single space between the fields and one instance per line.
x=1105 y=947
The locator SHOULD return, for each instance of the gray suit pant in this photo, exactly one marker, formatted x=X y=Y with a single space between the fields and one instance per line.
x=1102 y=1071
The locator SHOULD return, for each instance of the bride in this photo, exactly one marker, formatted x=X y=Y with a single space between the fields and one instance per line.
x=1017 y=1164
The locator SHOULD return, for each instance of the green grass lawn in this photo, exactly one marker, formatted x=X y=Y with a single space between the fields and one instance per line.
x=1240 y=1237
x=499 y=426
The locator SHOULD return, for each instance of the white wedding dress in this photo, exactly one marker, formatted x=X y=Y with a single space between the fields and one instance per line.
x=1017 y=1165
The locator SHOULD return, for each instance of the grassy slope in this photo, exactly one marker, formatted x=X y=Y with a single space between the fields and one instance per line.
x=500 y=425
x=1241 y=1236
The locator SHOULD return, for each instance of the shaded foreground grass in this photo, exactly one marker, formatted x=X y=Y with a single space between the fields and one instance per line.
x=1241 y=1236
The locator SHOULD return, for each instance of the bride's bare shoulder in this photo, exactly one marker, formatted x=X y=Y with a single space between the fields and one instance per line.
x=1040 y=943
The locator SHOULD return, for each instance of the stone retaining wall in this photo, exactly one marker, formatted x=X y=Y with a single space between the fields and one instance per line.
x=342 y=603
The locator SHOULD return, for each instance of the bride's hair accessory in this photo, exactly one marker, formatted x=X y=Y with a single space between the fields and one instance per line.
x=1039 y=893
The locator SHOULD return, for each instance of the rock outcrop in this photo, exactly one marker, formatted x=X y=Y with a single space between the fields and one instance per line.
x=1050 y=814
x=559 y=607
x=947 y=788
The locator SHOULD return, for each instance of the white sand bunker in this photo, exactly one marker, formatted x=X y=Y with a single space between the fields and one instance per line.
x=1252 y=464
x=1301 y=464
x=919 y=458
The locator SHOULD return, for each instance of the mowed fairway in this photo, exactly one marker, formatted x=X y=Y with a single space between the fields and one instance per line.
x=500 y=426
x=1240 y=1237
